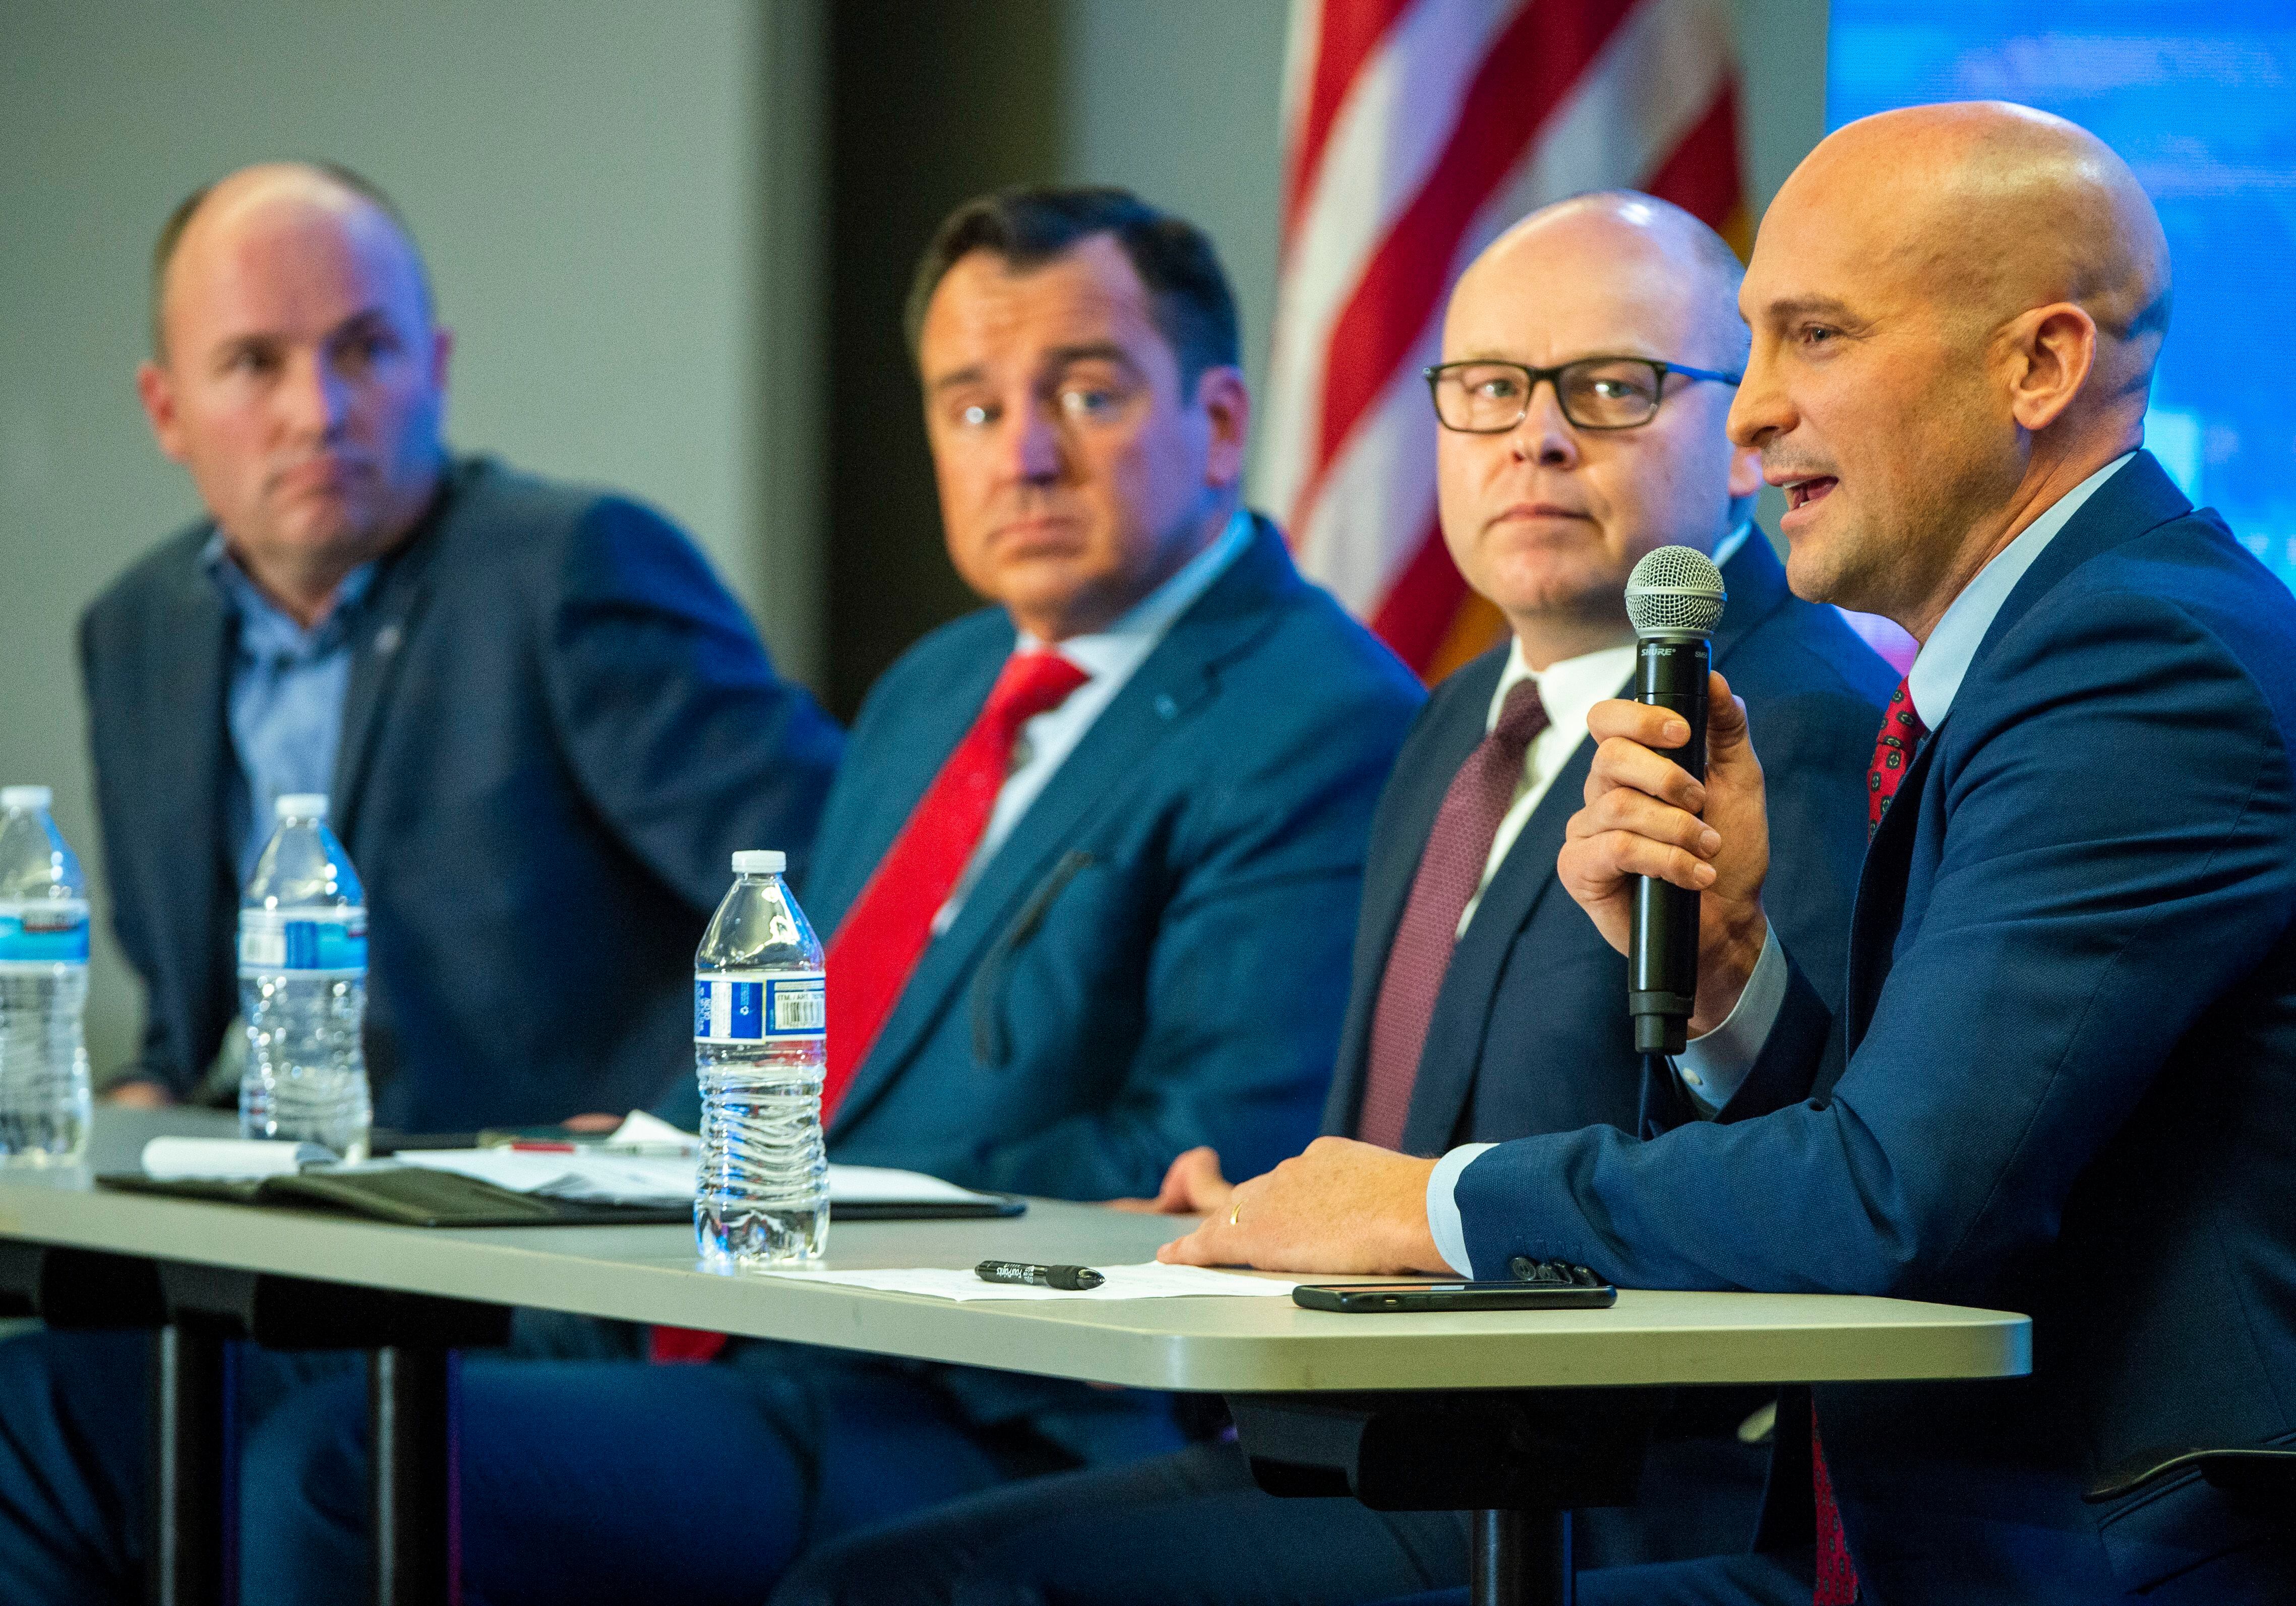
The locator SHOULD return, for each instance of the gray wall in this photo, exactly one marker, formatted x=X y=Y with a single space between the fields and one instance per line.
x=590 y=180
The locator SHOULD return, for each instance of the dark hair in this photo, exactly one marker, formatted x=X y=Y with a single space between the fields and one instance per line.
x=171 y=232
x=1188 y=292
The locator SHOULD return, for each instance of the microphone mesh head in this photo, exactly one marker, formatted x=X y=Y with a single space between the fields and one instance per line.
x=1676 y=591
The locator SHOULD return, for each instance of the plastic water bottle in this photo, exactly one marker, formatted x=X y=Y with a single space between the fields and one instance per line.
x=44 y=1097
x=761 y=1196
x=302 y=988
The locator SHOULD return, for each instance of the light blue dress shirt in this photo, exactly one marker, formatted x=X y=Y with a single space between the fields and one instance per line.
x=1714 y=1067
x=284 y=703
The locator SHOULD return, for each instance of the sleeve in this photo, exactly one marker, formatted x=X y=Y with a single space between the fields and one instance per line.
x=678 y=730
x=1248 y=971
x=2116 y=855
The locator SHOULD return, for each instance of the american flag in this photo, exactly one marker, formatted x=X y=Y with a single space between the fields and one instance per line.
x=1415 y=132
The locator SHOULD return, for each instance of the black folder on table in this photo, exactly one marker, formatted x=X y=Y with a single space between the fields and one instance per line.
x=417 y=1196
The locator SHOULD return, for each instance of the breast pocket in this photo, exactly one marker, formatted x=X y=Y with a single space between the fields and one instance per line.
x=992 y=1040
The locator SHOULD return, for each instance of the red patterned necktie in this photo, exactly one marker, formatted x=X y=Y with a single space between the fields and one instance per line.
x=1450 y=870
x=1901 y=733
x=889 y=925
x=1837 y=1574
x=887 y=929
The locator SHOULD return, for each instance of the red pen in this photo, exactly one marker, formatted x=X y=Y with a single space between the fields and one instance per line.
x=540 y=1146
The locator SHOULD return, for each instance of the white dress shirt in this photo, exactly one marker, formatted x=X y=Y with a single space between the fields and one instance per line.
x=1111 y=656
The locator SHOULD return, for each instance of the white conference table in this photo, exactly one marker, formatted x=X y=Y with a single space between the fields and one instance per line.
x=1262 y=1349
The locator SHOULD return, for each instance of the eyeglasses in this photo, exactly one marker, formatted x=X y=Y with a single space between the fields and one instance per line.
x=1594 y=392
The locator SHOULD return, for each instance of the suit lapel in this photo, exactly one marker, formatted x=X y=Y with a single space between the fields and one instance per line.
x=1163 y=694
x=189 y=744
x=380 y=642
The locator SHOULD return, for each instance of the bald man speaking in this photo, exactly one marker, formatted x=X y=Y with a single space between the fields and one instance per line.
x=2069 y=1025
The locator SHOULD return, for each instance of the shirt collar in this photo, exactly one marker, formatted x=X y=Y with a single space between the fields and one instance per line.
x=1104 y=652
x=1572 y=686
x=1945 y=657
x=263 y=626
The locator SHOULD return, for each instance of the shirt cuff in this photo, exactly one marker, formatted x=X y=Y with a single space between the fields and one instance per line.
x=1711 y=1069
x=1443 y=1208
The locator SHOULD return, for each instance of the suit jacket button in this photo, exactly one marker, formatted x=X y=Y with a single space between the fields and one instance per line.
x=1166 y=708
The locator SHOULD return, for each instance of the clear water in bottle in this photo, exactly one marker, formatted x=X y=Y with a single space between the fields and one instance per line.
x=43 y=1085
x=761 y=1196
x=302 y=988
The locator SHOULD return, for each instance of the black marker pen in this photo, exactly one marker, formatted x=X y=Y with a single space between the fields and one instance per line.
x=1068 y=1279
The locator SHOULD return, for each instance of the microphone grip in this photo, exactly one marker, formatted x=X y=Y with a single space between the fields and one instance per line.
x=1662 y=954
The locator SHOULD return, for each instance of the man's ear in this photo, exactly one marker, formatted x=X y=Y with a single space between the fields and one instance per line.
x=1221 y=393
x=155 y=388
x=2049 y=352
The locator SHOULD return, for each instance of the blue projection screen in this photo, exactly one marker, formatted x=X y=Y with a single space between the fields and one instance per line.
x=2201 y=103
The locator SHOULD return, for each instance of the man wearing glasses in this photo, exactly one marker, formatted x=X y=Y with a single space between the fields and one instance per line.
x=1591 y=355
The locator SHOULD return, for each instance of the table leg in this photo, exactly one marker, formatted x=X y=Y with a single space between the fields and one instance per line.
x=415 y=1509
x=1520 y=1559
x=189 y=1411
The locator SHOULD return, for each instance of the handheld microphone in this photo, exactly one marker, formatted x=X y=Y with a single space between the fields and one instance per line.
x=1674 y=598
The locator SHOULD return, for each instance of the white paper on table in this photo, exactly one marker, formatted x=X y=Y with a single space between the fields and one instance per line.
x=228 y=1158
x=1152 y=1281
x=640 y=1179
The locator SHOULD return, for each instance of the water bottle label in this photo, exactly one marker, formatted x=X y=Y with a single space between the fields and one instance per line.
x=44 y=932
x=309 y=942
x=756 y=1007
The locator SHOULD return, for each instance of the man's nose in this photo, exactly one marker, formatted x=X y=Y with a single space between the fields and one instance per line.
x=1760 y=411
x=315 y=397
x=1035 y=445
x=1544 y=437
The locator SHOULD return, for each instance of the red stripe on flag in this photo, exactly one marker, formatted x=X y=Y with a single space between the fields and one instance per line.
x=1701 y=176
x=1350 y=31
x=1530 y=68
x=1416 y=614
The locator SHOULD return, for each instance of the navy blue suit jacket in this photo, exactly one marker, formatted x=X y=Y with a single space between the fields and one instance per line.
x=2069 y=1038
x=1157 y=957
x=1531 y=1031
x=558 y=727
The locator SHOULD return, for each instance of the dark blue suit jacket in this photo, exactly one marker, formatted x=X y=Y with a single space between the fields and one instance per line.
x=1157 y=957
x=1531 y=1031
x=558 y=727
x=2070 y=1033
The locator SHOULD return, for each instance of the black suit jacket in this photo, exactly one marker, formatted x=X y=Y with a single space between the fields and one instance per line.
x=558 y=727
x=1531 y=1031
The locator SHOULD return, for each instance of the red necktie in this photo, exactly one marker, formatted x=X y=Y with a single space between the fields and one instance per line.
x=1450 y=870
x=1901 y=733
x=887 y=929
x=889 y=925
x=1893 y=755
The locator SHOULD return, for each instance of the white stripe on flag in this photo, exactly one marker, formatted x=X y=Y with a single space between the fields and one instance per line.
x=1374 y=501
x=1392 y=127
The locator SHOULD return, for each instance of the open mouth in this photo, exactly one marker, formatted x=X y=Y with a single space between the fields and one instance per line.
x=1801 y=493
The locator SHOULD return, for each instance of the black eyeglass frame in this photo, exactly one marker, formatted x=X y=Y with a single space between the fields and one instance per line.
x=1533 y=377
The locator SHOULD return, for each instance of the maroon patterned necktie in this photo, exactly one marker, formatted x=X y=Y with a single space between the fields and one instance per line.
x=1450 y=870
x=1901 y=733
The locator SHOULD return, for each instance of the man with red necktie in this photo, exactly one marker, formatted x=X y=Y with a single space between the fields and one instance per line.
x=1088 y=877
x=2060 y=1078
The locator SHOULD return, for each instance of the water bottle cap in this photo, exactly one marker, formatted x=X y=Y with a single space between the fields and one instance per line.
x=760 y=861
x=26 y=796
x=303 y=806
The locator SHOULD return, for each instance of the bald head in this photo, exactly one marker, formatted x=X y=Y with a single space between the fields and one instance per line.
x=1547 y=518
x=1955 y=311
x=1624 y=250
x=324 y=188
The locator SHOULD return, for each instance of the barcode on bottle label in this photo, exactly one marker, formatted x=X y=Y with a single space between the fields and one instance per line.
x=731 y=1006
x=44 y=932
x=318 y=942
